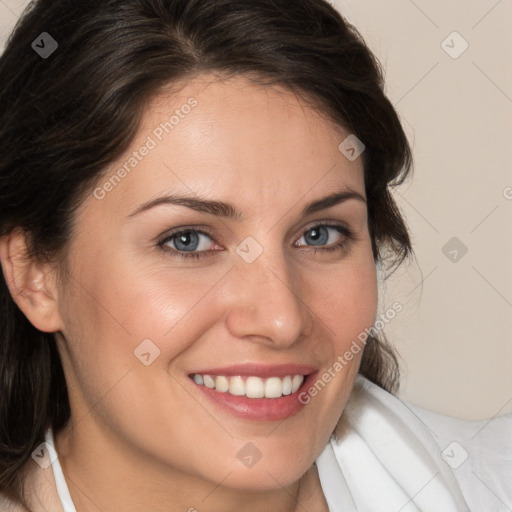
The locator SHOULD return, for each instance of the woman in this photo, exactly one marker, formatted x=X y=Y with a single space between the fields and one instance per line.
x=195 y=202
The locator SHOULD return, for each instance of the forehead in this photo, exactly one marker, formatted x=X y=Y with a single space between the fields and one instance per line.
x=236 y=141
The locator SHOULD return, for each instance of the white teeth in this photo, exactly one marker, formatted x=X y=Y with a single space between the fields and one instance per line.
x=287 y=385
x=273 y=387
x=221 y=384
x=236 y=386
x=252 y=387
x=296 y=382
x=208 y=381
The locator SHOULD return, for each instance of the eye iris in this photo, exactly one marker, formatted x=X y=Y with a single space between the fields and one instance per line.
x=319 y=236
x=186 y=241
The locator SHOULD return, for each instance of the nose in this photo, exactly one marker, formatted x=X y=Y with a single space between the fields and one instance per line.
x=266 y=305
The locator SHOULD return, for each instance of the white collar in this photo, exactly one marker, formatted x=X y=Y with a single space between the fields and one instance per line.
x=60 y=481
x=386 y=459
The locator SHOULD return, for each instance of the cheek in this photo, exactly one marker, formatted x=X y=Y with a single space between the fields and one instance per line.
x=171 y=306
x=120 y=303
x=346 y=299
x=348 y=302
x=114 y=315
x=343 y=297
x=360 y=300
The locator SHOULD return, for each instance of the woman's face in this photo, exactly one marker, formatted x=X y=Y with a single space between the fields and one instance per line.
x=258 y=288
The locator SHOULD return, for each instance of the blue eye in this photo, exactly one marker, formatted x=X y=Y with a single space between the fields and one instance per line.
x=186 y=242
x=192 y=243
x=319 y=235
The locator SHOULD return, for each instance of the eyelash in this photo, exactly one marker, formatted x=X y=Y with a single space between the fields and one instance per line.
x=344 y=244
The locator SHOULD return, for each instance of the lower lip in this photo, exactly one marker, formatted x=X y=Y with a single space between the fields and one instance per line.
x=258 y=409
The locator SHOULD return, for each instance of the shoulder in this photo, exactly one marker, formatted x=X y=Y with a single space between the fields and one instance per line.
x=479 y=453
x=390 y=453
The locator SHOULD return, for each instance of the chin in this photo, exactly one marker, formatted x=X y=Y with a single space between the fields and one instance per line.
x=265 y=478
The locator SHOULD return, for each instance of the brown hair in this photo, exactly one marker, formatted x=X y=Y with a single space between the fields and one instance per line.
x=65 y=118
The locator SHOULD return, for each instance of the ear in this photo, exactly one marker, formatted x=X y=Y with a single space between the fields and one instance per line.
x=32 y=283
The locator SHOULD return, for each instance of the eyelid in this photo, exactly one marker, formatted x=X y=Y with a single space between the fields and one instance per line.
x=342 y=227
x=205 y=230
x=327 y=223
x=185 y=229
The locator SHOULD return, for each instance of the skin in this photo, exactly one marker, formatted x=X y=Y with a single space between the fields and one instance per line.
x=144 y=437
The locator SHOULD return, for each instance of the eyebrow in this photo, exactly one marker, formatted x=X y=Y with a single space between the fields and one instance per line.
x=227 y=210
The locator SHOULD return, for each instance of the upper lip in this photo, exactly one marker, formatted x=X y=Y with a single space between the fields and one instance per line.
x=258 y=370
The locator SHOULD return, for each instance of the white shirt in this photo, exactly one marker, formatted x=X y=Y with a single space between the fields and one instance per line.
x=393 y=456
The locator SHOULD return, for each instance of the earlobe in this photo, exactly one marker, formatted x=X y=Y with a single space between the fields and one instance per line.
x=32 y=283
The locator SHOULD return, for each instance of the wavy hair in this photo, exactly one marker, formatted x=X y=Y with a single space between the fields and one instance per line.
x=64 y=119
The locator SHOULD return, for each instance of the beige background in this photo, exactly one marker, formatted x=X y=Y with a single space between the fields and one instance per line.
x=455 y=331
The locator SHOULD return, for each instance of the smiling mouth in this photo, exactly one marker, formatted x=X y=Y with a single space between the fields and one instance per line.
x=251 y=386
